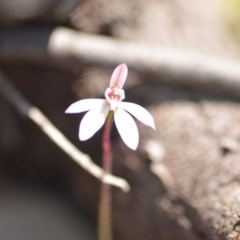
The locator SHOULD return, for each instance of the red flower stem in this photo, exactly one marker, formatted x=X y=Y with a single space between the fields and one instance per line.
x=105 y=206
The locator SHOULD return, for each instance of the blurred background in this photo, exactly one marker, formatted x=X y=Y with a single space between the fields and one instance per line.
x=184 y=177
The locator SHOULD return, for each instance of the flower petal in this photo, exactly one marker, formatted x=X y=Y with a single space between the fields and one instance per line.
x=93 y=121
x=84 y=105
x=127 y=128
x=139 y=112
x=119 y=76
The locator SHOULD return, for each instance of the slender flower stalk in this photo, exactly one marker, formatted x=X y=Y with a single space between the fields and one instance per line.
x=105 y=205
x=109 y=110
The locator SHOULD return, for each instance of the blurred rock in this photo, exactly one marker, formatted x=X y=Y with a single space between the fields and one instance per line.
x=17 y=12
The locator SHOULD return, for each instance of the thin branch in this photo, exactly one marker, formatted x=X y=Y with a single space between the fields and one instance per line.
x=65 y=47
x=14 y=97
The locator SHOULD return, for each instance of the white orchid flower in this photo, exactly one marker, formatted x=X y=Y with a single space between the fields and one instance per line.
x=98 y=110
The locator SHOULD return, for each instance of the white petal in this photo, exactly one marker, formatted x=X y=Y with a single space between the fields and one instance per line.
x=84 y=105
x=139 y=112
x=93 y=121
x=127 y=128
